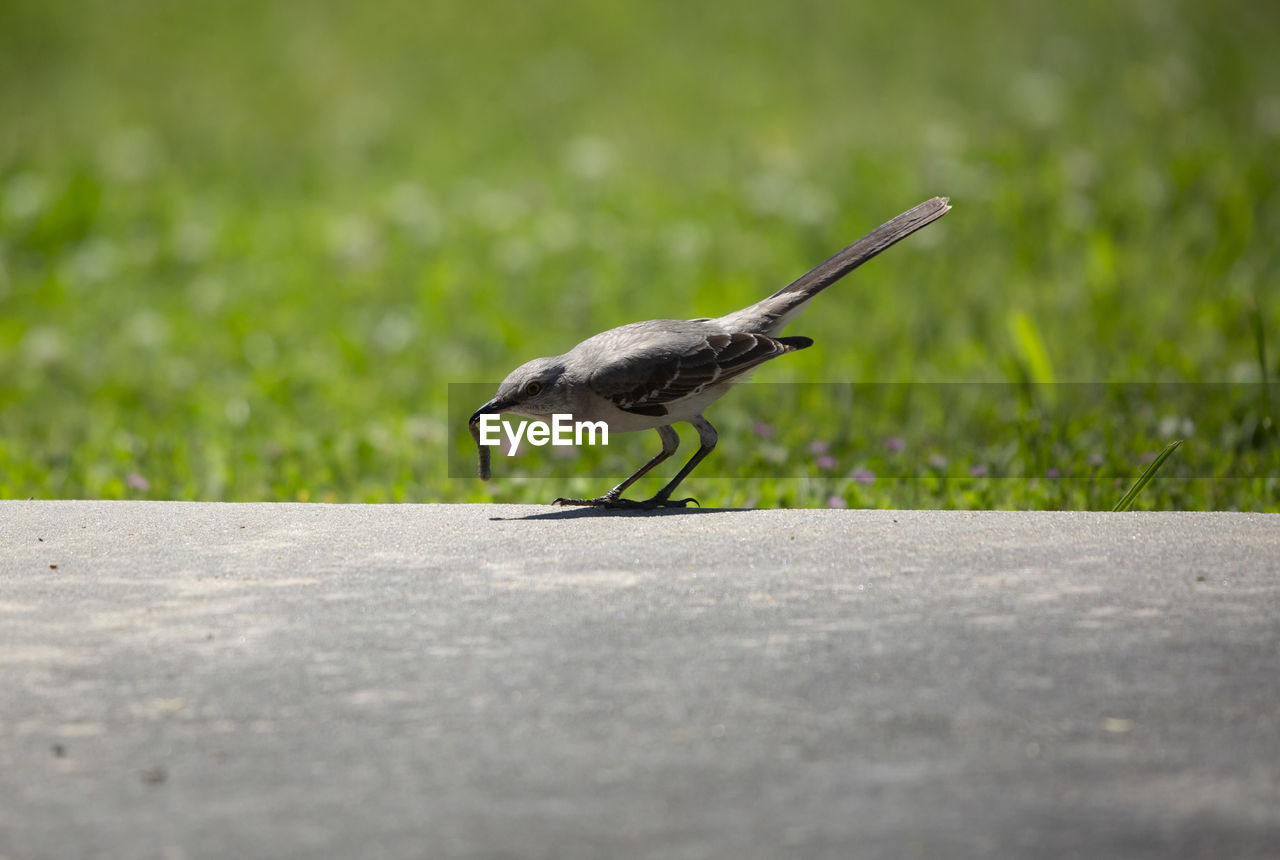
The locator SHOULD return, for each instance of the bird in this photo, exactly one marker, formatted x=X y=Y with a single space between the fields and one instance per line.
x=650 y=375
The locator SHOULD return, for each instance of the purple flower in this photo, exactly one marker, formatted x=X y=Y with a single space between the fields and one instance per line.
x=895 y=444
x=818 y=446
x=978 y=471
x=937 y=461
x=137 y=482
x=762 y=429
x=1052 y=472
x=825 y=462
x=836 y=502
x=863 y=475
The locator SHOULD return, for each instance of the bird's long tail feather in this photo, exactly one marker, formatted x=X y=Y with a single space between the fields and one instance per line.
x=825 y=274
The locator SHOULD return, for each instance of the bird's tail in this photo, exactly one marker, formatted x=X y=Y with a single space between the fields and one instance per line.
x=825 y=274
x=770 y=315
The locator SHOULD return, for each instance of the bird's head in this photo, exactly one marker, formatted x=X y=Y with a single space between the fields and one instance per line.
x=536 y=389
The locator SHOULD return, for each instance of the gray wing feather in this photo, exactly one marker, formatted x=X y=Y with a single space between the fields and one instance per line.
x=644 y=385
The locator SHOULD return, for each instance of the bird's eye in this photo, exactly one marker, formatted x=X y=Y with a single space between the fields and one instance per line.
x=532 y=389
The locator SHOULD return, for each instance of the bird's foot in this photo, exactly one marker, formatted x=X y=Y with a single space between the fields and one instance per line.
x=673 y=503
x=627 y=504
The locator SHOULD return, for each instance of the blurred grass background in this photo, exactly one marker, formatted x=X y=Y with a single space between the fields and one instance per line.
x=245 y=247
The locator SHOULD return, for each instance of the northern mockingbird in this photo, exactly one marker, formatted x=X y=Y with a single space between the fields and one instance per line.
x=649 y=375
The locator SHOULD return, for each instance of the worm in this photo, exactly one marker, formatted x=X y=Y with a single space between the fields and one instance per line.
x=484 y=452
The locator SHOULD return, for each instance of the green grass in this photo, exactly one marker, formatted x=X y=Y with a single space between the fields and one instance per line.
x=245 y=248
x=1127 y=500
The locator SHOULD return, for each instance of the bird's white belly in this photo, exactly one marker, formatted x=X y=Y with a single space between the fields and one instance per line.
x=621 y=421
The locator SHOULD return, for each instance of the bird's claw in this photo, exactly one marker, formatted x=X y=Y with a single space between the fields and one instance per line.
x=679 y=503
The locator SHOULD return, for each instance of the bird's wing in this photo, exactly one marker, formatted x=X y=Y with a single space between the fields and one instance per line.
x=645 y=383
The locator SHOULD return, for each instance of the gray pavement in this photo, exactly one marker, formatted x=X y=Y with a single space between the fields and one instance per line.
x=203 y=680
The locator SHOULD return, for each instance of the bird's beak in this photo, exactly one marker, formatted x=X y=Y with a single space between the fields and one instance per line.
x=492 y=407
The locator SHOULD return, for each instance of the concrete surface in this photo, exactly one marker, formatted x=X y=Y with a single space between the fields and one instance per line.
x=191 y=681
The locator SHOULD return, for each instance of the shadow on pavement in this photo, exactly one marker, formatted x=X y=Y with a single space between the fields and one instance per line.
x=580 y=512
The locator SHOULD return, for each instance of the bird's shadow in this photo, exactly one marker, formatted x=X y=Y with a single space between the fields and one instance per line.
x=575 y=513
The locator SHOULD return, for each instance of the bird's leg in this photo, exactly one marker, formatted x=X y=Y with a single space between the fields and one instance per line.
x=612 y=499
x=707 y=438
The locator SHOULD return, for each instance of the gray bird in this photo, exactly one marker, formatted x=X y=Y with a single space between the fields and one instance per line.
x=649 y=375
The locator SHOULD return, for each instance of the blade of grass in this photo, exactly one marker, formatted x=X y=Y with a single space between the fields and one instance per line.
x=1032 y=354
x=1260 y=341
x=1145 y=478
